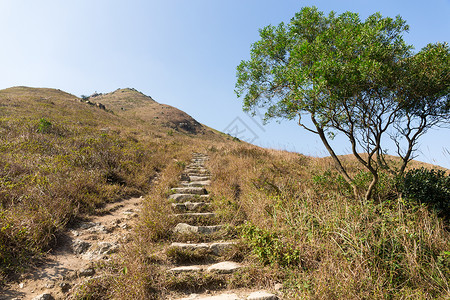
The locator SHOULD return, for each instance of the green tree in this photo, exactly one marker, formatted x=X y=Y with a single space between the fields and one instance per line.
x=357 y=78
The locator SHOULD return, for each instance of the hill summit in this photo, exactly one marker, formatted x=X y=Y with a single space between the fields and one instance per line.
x=132 y=103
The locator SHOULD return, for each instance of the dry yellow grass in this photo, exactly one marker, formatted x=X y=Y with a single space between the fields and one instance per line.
x=296 y=218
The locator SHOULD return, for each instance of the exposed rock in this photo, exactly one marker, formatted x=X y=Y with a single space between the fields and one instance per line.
x=197 y=215
x=184 y=228
x=100 y=105
x=190 y=190
x=187 y=246
x=225 y=267
x=262 y=295
x=195 y=205
x=86 y=272
x=65 y=287
x=198 y=178
x=87 y=225
x=217 y=297
x=185 y=269
x=179 y=206
x=107 y=248
x=79 y=246
x=196 y=183
x=218 y=248
x=221 y=247
x=101 y=229
x=44 y=297
x=182 y=197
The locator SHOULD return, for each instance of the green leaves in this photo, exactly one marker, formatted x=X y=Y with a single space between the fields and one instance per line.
x=358 y=78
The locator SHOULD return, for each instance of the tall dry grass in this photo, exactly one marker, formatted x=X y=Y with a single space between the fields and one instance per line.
x=60 y=160
x=297 y=213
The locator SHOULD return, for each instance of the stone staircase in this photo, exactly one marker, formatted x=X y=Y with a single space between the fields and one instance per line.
x=201 y=243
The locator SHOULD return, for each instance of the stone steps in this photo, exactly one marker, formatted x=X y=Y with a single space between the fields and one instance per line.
x=215 y=248
x=184 y=228
x=198 y=178
x=198 y=224
x=196 y=183
x=196 y=215
x=196 y=172
x=258 y=295
x=187 y=197
x=197 y=218
x=225 y=267
x=189 y=190
x=191 y=206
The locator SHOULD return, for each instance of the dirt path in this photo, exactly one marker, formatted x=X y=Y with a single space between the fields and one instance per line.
x=71 y=262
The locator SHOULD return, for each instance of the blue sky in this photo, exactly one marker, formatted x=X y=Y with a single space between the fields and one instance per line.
x=182 y=53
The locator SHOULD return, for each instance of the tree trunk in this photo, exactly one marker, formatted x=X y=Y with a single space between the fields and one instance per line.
x=371 y=186
x=336 y=160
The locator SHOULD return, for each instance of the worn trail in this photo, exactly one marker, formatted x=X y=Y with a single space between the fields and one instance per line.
x=196 y=215
x=99 y=238
x=71 y=263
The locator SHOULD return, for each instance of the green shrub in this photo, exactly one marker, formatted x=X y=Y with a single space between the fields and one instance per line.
x=269 y=247
x=44 y=126
x=431 y=187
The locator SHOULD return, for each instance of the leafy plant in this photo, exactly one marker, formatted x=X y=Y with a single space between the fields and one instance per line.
x=44 y=126
x=427 y=186
x=269 y=247
x=350 y=76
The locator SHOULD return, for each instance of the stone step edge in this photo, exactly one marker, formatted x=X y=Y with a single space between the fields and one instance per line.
x=195 y=183
x=190 y=206
x=216 y=248
x=183 y=197
x=196 y=214
x=225 y=267
x=189 y=190
x=186 y=228
x=258 y=295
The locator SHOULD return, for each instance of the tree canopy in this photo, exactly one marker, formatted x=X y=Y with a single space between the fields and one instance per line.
x=358 y=78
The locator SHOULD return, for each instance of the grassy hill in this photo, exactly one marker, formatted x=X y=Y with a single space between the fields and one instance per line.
x=62 y=159
x=133 y=104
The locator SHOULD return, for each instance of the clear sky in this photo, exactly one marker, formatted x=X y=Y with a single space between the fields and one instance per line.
x=183 y=53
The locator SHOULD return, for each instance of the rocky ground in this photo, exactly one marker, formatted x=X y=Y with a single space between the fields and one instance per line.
x=80 y=247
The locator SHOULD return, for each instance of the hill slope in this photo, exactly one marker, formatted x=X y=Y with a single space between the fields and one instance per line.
x=62 y=159
x=64 y=162
x=131 y=103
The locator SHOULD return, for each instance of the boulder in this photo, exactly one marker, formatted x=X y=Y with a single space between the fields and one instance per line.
x=79 y=246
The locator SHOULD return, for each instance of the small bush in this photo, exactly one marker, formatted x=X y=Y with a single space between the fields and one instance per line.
x=44 y=126
x=269 y=247
x=427 y=186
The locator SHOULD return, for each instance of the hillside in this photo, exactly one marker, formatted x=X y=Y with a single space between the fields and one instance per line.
x=92 y=198
x=134 y=104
